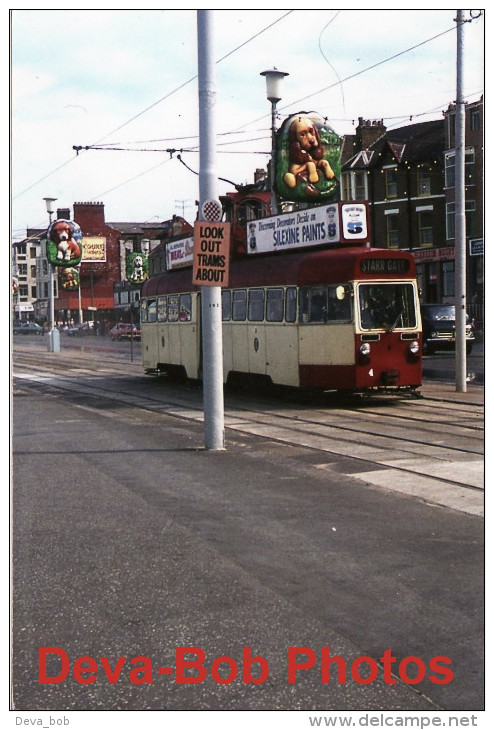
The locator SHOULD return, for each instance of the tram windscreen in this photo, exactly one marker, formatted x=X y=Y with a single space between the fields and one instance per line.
x=387 y=306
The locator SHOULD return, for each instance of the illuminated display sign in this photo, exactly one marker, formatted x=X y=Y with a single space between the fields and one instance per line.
x=136 y=267
x=64 y=243
x=307 y=161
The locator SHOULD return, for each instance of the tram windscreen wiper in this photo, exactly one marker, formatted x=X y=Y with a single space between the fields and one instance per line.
x=391 y=328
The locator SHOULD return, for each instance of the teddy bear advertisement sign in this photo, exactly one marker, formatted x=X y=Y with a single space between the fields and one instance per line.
x=307 y=159
x=64 y=243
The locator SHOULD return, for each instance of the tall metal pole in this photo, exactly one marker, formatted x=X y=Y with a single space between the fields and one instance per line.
x=212 y=336
x=272 y=181
x=460 y=220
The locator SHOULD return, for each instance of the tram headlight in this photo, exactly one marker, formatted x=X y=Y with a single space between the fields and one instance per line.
x=365 y=349
x=414 y=348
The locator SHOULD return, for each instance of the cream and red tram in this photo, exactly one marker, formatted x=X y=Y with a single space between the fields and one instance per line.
x=344 y=318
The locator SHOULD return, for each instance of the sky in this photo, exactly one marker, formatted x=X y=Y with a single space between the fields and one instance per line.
x=127 y=80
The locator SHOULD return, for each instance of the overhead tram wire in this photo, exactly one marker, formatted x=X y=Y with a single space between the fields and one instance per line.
x=352 y=76
x=339 y=82
x=282 y=17
x=193 y=78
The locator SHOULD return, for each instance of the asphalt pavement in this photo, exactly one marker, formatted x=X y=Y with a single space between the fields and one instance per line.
x=160 y=576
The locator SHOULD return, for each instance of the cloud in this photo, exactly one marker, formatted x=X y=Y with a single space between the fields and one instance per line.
x=127 y=76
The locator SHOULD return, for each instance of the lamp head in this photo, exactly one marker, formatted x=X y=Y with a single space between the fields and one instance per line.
x=49 y=205
x=273 y=84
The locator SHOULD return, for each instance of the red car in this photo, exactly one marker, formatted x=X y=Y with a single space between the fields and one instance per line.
x=124 y=331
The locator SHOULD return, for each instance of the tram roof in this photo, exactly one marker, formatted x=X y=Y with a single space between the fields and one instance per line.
x=314 y=267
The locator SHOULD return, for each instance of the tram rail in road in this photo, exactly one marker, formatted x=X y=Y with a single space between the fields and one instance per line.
x=430 y=448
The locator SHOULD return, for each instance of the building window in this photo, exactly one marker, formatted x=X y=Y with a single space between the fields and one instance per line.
x=448 y=278
x=469 y=219
x=475 y=120
x=423 y=182
x=392 y=235
x=391 y=183
x=450 y=220
x=354 y=186
x=345 y=186
x=425 y=228
x=360 y=188
x=449 y=168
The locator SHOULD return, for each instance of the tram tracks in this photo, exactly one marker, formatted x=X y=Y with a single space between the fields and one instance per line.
x=430 y=449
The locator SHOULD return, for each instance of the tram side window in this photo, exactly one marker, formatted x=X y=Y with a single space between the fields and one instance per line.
x=256 y=305
x=274 y=305
x=144 y=310
x=339 y=303
x=291 y=304
x=185 y=311
x=239 y=305
x=151 y=310
x=226 y=305
x=162 y=309
x=173 y=308
x=313 y=304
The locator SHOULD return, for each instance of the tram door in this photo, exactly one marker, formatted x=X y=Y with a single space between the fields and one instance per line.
x=256 y=332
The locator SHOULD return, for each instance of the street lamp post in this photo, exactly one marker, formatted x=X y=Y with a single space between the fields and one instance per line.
x=54 y=334
x=273 y=93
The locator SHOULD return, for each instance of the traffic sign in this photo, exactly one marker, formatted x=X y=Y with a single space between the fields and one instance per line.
x=211 y=253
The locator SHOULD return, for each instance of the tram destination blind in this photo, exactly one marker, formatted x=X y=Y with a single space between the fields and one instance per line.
x=211 y=254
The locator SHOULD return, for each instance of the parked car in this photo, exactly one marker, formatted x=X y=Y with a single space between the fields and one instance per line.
x=438 y=328
x=78 y=330
x=28 y=328
x=123 y=331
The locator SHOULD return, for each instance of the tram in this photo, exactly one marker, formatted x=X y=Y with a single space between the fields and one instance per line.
x=331 y=318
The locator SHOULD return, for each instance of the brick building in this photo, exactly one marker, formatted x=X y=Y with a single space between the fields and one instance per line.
x=407 y=176
x=105 y=294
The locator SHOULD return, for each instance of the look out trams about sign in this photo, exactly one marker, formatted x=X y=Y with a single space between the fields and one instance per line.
x=211 y=254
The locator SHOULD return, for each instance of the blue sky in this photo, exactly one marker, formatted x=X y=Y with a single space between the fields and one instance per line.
x=127 y=77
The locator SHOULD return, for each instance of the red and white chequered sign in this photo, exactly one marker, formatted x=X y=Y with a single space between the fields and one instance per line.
x=212 y=210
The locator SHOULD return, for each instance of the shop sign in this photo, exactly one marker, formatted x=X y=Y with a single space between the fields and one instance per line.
x=94 y=249
x=434 y=254
x=179 y=253
x=476 y=247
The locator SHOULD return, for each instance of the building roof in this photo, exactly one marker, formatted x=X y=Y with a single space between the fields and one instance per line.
x=412 y=143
